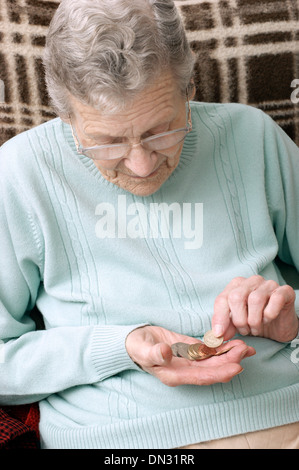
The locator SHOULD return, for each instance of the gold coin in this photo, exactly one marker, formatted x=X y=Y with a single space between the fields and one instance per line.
x=212 y=341
x=193 y=351
x=200 y=351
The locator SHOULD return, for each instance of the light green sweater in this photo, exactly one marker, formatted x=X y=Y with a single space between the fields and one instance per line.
x=99 y=262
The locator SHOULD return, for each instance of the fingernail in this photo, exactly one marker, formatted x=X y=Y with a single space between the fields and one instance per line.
x=161 y=356
x=244 y=353
x=218 y=330
x=243 y=331
x=239 y=372
x=254 y=332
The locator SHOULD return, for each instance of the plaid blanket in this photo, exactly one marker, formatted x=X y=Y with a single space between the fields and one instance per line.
x=19 y=427
x=247 y=51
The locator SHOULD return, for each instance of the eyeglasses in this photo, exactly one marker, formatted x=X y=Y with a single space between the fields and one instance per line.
x=156 y=143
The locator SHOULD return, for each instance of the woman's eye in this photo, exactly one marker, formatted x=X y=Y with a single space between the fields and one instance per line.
x=157 y=130
x=118 y=140
x=111 y=141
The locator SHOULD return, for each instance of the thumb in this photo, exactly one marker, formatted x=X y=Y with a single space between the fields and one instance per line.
x=159 y=354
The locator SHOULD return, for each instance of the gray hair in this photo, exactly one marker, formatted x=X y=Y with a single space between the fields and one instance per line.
x=105 y=52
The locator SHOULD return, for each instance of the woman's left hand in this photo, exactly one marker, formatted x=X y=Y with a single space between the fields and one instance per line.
x=258 y=307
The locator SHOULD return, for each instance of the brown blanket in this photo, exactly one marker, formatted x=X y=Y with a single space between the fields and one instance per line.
x=247 y=51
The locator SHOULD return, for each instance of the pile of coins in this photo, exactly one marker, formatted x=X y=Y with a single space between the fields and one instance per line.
x=200 y=351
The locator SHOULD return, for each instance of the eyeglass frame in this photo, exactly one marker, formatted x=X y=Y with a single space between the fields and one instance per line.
x=81 y=149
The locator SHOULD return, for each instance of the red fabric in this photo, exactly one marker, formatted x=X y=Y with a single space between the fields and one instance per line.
x=19 y=427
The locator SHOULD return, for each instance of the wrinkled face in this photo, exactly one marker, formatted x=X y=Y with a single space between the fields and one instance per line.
x=160 y=108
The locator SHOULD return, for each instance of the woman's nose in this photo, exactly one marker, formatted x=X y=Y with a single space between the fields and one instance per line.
x=140 y=161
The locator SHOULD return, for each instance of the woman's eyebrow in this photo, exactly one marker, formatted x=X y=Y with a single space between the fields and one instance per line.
x=100 y=135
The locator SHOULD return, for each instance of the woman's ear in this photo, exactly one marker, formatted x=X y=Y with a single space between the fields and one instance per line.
x=192 y=89
x=66 y=118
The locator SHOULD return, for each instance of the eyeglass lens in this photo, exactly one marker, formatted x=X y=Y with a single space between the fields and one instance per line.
x=166 y=142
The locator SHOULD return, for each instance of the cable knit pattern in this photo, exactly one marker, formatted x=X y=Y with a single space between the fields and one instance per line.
x=235 y=189
x=228 y=168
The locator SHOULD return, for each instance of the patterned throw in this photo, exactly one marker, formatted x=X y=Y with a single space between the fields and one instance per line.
x=19 y=427
x=247 y=51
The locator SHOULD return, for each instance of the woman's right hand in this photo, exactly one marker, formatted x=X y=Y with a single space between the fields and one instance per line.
x=150 y=348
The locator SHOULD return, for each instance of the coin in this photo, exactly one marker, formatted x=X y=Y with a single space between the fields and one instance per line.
x=196 y=351
x=199 y=351
x=211 y=340
x=180 y=350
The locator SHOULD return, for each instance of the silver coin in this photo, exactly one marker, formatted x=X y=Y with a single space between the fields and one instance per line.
x=211 y=340
x=180 y=350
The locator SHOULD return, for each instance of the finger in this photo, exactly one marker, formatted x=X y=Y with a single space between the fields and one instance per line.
x=159 y=354
x=257 y=301
x=281 y=298
x=228 y=346
x=221 y=322
x=221 y=374
x=238 y=302
x=237 y=352
x=198 y=376
x=207 y=372
x=226 y=371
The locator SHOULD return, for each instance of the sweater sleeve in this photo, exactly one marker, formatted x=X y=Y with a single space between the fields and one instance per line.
x=35 y=364
x=282 y=189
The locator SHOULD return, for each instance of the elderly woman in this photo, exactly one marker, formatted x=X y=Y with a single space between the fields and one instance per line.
x=138 y=219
